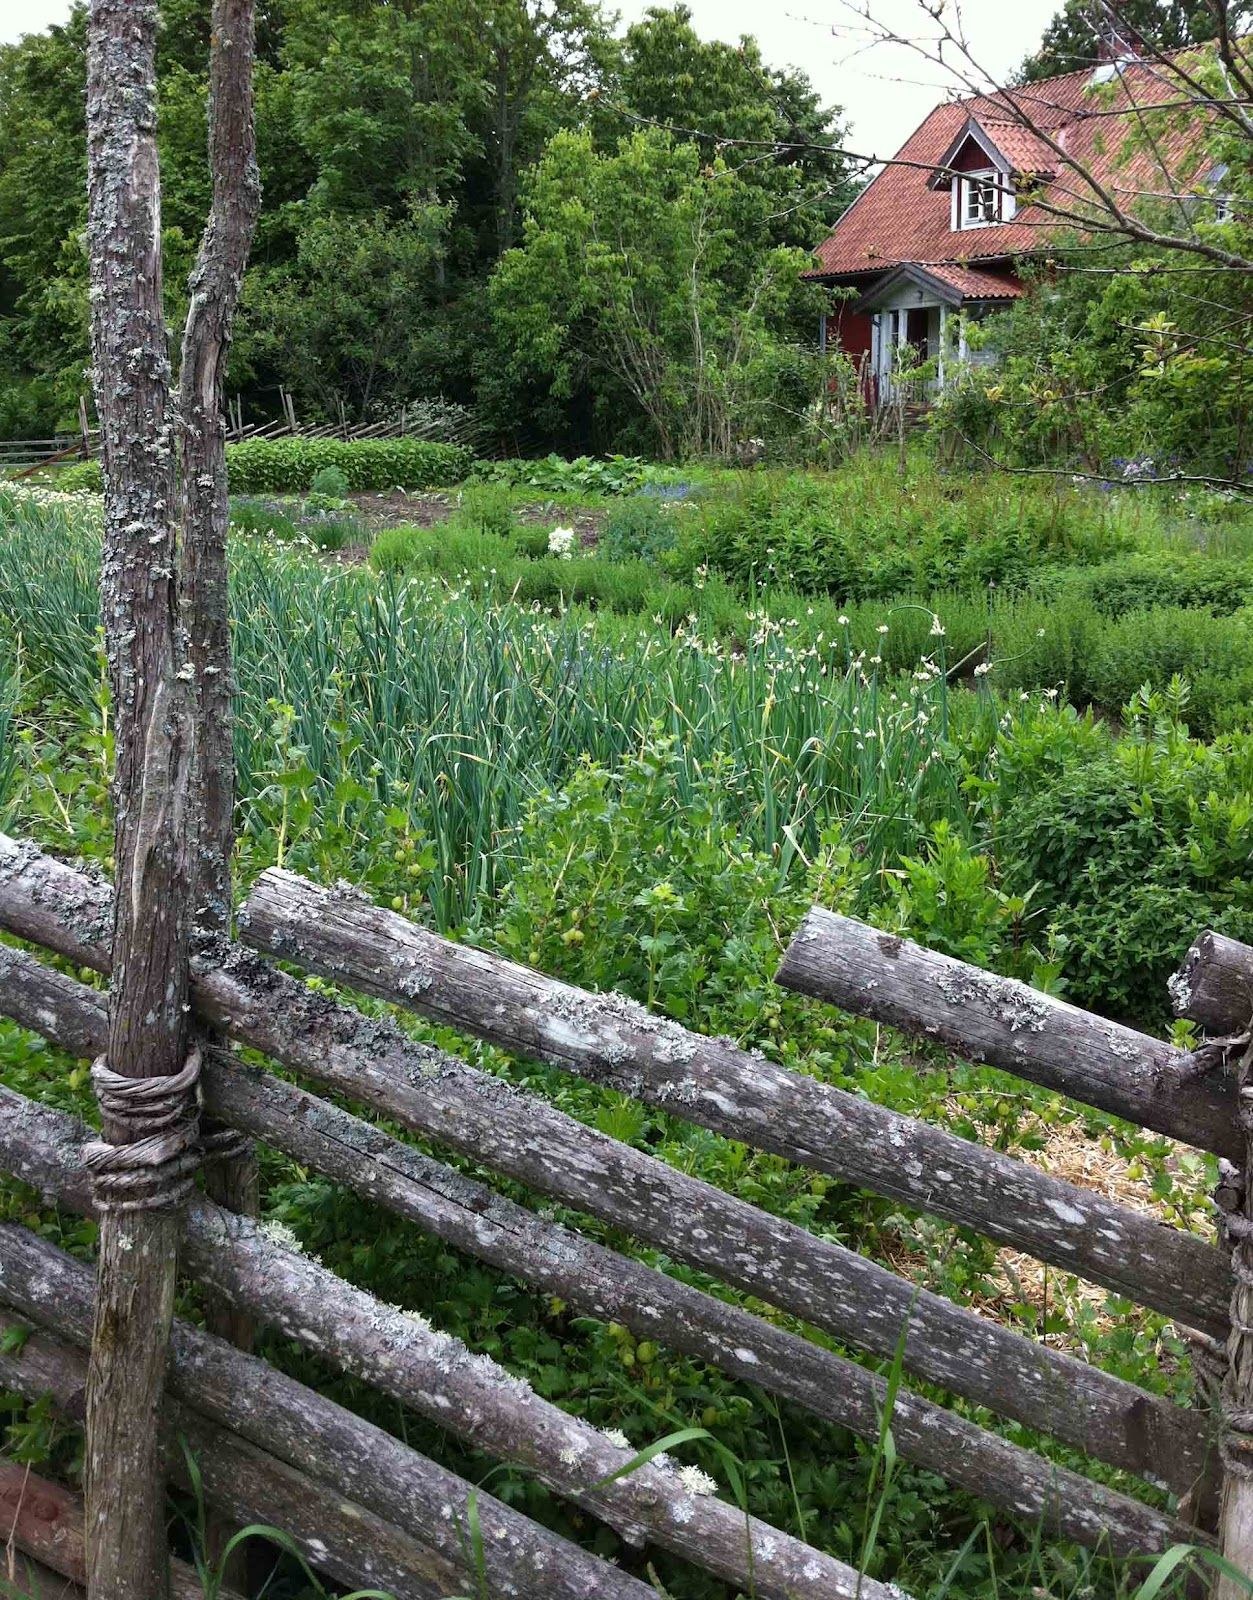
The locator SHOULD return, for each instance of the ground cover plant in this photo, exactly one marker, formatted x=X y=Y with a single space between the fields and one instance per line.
x=651 y=807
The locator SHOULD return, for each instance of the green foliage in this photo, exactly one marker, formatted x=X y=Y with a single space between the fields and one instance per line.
x=1131 y=845
x=867 y=532
x=288 y=466
x=329 y=481
x=634 y=810
x=584 y=475
x=646 y=278
x=81 y=475
x=642 y=528
x=394 y=144
x=1071 y=43
x=265 y=518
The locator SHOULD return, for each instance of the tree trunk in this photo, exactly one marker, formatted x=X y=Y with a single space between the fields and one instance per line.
x=127 y=1555
x=230 y=1172
x=204 y=506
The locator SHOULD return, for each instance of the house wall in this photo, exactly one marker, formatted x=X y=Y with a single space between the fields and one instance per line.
x=849 y=331
x=970 y=158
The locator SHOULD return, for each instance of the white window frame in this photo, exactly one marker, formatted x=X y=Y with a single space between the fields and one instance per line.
x=994 y=185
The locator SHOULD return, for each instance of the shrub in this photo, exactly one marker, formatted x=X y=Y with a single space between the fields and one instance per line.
x=642 y=528
x=329 y=482
x=296 y=465
x=869 y=533
x=80 y=475
x=487 y=508
x=288 y=466
x=1131 y=845
x=1141 y=583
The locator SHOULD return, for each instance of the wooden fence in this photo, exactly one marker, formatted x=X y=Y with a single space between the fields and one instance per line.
x=271 y=1449
x=23 y=456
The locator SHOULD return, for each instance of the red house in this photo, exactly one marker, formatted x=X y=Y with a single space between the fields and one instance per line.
x=934 y=241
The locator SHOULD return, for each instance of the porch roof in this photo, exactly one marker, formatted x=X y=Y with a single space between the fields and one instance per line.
x=951 y=285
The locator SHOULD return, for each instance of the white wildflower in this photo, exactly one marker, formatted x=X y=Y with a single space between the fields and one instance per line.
x=937 y=627
x=882 y=628
x=982 y=670
x=561 y=543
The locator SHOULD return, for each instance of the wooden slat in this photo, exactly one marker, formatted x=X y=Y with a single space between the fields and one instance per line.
x=349 y=1543
x=45 y=1521
x=597 y=1282
x=1007 y=1024
x=435 y=1375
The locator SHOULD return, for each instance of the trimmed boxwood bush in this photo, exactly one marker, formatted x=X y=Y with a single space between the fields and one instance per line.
x=289 y=466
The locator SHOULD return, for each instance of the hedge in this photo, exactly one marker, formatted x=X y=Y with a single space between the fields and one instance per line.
x=288 y=466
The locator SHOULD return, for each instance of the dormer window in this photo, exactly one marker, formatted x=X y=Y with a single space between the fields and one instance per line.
x=981 y=199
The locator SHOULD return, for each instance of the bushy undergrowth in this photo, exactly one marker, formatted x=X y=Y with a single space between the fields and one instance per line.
x=866 y=532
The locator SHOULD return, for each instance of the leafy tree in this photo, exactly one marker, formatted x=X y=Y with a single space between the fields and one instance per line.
x=647 y=276
x=719 y=93
x=1072 y=39
x=356 y=317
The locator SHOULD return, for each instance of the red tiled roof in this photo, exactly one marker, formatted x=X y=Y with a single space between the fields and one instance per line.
x=1025 y=151
x=900 y=217
x=973 y=284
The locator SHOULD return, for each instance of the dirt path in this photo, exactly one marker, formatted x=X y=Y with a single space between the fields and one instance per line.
x=429 y=507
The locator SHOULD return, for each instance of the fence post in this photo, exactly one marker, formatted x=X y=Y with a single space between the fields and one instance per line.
x=1236 y=1515
x=145 y=1083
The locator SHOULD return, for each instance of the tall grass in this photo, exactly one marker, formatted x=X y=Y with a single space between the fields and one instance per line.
x=361 y=698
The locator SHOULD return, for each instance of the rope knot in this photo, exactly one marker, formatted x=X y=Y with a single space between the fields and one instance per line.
x=156 y=1166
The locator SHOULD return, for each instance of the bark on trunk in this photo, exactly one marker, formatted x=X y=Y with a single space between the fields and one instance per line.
x=204 y=507
x=127 y=1556
x=998 y=1020
x=231 y=1177
x=347 y=1542
x=335 y=1453
x=44 y=1519
x=830 y=1287
x=596 y=1282
x=1214 y=986
x=610 y=1039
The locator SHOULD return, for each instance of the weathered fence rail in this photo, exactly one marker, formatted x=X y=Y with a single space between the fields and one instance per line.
x=825 y=1284
x=599 y=1282
x=612 y=1041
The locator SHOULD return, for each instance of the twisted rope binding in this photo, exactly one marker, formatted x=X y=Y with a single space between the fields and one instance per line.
x=157 y=1167
x=225 y=1144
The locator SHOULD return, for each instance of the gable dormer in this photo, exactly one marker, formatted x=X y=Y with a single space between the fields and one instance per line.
x=982 y=169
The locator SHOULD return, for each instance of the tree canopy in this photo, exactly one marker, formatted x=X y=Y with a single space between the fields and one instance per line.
x=397 y=144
